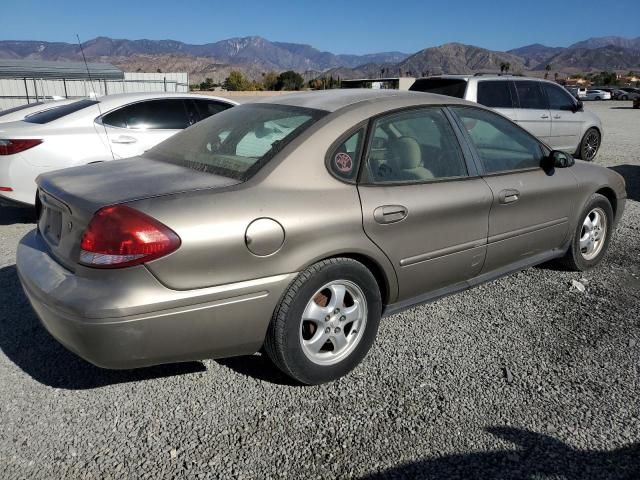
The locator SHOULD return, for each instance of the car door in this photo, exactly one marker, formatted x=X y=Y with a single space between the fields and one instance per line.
x=566 y=119
x=499 y=95
x=531 y=207
x=135 y=128
x=533 y=112
x=422 y=203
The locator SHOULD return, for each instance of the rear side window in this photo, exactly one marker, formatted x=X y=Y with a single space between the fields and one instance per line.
x=414 y=146
x=530 y=95
x=453 y=87
x=344 y=160
x=206 y=108
x=58 y=112
x=495 y=94
x=150 y=115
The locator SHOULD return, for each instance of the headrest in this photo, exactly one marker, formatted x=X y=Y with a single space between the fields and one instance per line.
x=407 y=153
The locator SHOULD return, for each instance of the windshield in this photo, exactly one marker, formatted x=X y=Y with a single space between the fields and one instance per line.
x=55 y=113
x=236 y=143
x=453 y=87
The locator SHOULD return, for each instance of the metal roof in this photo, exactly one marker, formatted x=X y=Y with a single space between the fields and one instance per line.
x=11 y=68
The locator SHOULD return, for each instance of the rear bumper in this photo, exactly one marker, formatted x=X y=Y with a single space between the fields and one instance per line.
x=88 y=316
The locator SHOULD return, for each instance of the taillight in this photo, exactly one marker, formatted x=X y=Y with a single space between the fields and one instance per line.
x=119 y=236
x=9 y=147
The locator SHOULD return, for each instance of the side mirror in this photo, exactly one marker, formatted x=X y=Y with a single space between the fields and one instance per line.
x=557 y=159
x=579 y=106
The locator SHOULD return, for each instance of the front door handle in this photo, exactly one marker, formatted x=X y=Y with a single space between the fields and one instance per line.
x=557 y=117
x=390 y=213
x=544 y=115
x=126 y=139
x=509 y=196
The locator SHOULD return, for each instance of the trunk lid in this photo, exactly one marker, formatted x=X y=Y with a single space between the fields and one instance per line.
x=68 y=198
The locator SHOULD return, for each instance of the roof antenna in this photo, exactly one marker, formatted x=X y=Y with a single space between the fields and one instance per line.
x=95 y=95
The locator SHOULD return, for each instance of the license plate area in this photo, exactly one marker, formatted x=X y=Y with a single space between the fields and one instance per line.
x=50 y=224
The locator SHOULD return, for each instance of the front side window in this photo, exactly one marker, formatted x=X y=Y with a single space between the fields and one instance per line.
x=414 y=146
x=530 y=95
x=150 y=115
x=502 y=145
x=558 y=98
x=236 y=143
x=495 y=94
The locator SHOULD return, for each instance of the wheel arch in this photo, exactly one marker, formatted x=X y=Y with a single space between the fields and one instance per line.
x=610 y=195
x=387 y=286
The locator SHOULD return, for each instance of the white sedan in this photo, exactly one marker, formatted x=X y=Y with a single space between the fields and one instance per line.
x=92 y=130
x=597 y=95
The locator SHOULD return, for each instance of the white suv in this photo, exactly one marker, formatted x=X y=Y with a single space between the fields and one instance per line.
x=544 y=108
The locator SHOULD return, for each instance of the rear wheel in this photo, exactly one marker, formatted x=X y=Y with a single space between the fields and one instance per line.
x=591 y=237
x=326 y=321
x=589 y=145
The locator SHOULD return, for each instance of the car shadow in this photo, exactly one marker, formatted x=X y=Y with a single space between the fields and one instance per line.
x=621 y=108
x=631 y=174
x=27 y=344
x=536 y=456
x=13 y=215
x=257 y=366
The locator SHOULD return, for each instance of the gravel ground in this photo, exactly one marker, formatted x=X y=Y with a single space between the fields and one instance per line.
x=524 y=377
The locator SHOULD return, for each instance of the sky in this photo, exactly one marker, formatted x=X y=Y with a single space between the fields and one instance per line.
x=348 y=26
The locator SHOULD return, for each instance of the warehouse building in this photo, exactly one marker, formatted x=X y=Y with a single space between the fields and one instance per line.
x=29 y=81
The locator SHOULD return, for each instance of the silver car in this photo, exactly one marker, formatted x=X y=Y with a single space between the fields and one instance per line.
x=295 y=224
x=542 y=107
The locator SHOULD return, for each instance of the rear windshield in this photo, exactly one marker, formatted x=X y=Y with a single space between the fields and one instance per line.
x=453 y=87
x=58 y=112
x=236 y=143
x=18 y=108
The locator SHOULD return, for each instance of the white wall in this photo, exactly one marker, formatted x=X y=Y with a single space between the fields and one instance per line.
x=15 y=92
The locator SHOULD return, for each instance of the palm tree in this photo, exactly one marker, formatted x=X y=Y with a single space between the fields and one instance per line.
x=548 y=69
x=503 y=66
x=507 y=66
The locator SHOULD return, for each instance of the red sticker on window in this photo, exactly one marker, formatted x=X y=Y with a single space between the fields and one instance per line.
x=343 y=162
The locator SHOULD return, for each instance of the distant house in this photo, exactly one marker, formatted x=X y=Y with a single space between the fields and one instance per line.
x=391 y=83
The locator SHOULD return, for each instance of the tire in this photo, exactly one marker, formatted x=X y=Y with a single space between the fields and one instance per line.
x=579 y=258
x=589 y=145
x=624 y=97
x=597 y=98
x=328 y=344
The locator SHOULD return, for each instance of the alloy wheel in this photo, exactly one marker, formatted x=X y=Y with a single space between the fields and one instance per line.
x=592 y=143
x=593 y=234
x=333 y=322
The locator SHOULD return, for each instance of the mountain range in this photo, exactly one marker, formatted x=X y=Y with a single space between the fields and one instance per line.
x=256 y=55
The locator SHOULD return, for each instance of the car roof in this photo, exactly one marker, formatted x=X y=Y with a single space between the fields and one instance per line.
x=333 y=100
x=488 y=77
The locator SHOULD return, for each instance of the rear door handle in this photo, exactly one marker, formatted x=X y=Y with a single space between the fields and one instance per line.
x=126 y=139
x=509 y=196
x=557 y=117
x=390 y=213
x=544 y=115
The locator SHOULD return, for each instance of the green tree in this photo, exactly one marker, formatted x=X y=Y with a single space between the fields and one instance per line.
x=270 y=81
x=207 y=84
x=236 y=82
x=290 y=80
x=547 y=70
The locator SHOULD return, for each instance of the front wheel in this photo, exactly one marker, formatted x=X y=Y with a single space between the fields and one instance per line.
x=589 y=145
x=326 y=321
x=591 y=237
